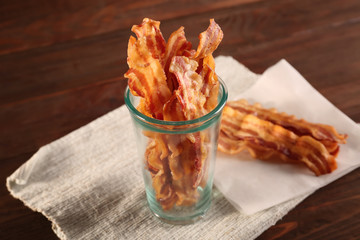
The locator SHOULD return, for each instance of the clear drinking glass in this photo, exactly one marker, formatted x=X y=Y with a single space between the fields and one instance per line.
x=177 y=160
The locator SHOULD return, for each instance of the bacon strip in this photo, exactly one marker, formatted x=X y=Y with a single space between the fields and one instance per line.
x=143 y=108
x=146 y=77
x=190 y=85
x=173 y=110
x=324 y=133
x=266 y=140
x=211 y=84
x=175 y=46
x=182 y=170
x=165 y=192
x=157 y=155
x=155 y=42
x=201 y=155
x=209 y=40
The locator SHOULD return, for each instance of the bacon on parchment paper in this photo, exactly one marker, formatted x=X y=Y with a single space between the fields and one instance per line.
x=326 y=134
x=267 y=134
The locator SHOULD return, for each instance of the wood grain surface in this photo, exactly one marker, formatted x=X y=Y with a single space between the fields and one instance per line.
x=62 y=64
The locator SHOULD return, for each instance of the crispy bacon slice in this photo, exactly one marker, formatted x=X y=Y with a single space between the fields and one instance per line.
x=165 y=192
x=153 y=160
x=185 y=186
x=186 y=163
x=144 y=108
x=175 y=46
x=157 y=154
x=156 y=151
x=211 y=84
x=209 y=40
x=173 y=110
x=186 y=194
x=324 y=133
x=190 y=85
x=146 y=77
x=155 y=42
x=265 y=140
x=201 y=155
x=175 y=163
x=182 y=170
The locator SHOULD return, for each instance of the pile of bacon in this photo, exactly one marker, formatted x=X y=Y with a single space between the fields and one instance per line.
x=175 y=83
x=267 y=135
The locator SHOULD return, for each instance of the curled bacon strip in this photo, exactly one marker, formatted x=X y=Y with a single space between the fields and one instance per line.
x=190 y=85
x=150 y=30
x=182 y=167
x=324 y=133
x=157 y=155
x=244 y=129
x=211 y=84
x=175 y=46
x=146 y=75
x=143 y=108
x=150 y=82
x=209 y=40
x=173 y=110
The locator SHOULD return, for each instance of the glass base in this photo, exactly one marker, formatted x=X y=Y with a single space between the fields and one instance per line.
x=181 y=215
x=177 y=221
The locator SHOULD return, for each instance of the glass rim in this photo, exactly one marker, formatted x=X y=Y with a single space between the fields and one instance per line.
x=206 y=117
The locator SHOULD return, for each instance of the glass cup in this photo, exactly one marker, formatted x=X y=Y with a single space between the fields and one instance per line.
x=177 y=160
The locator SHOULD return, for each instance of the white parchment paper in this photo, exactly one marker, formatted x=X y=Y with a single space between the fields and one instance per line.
x=254 y=185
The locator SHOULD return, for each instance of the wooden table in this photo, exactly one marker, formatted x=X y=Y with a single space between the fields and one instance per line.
x=62 y=64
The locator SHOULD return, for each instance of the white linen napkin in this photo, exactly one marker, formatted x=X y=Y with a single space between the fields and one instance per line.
x=254 y=185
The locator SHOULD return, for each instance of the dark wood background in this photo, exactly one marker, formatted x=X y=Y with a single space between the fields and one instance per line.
x=62 y=64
